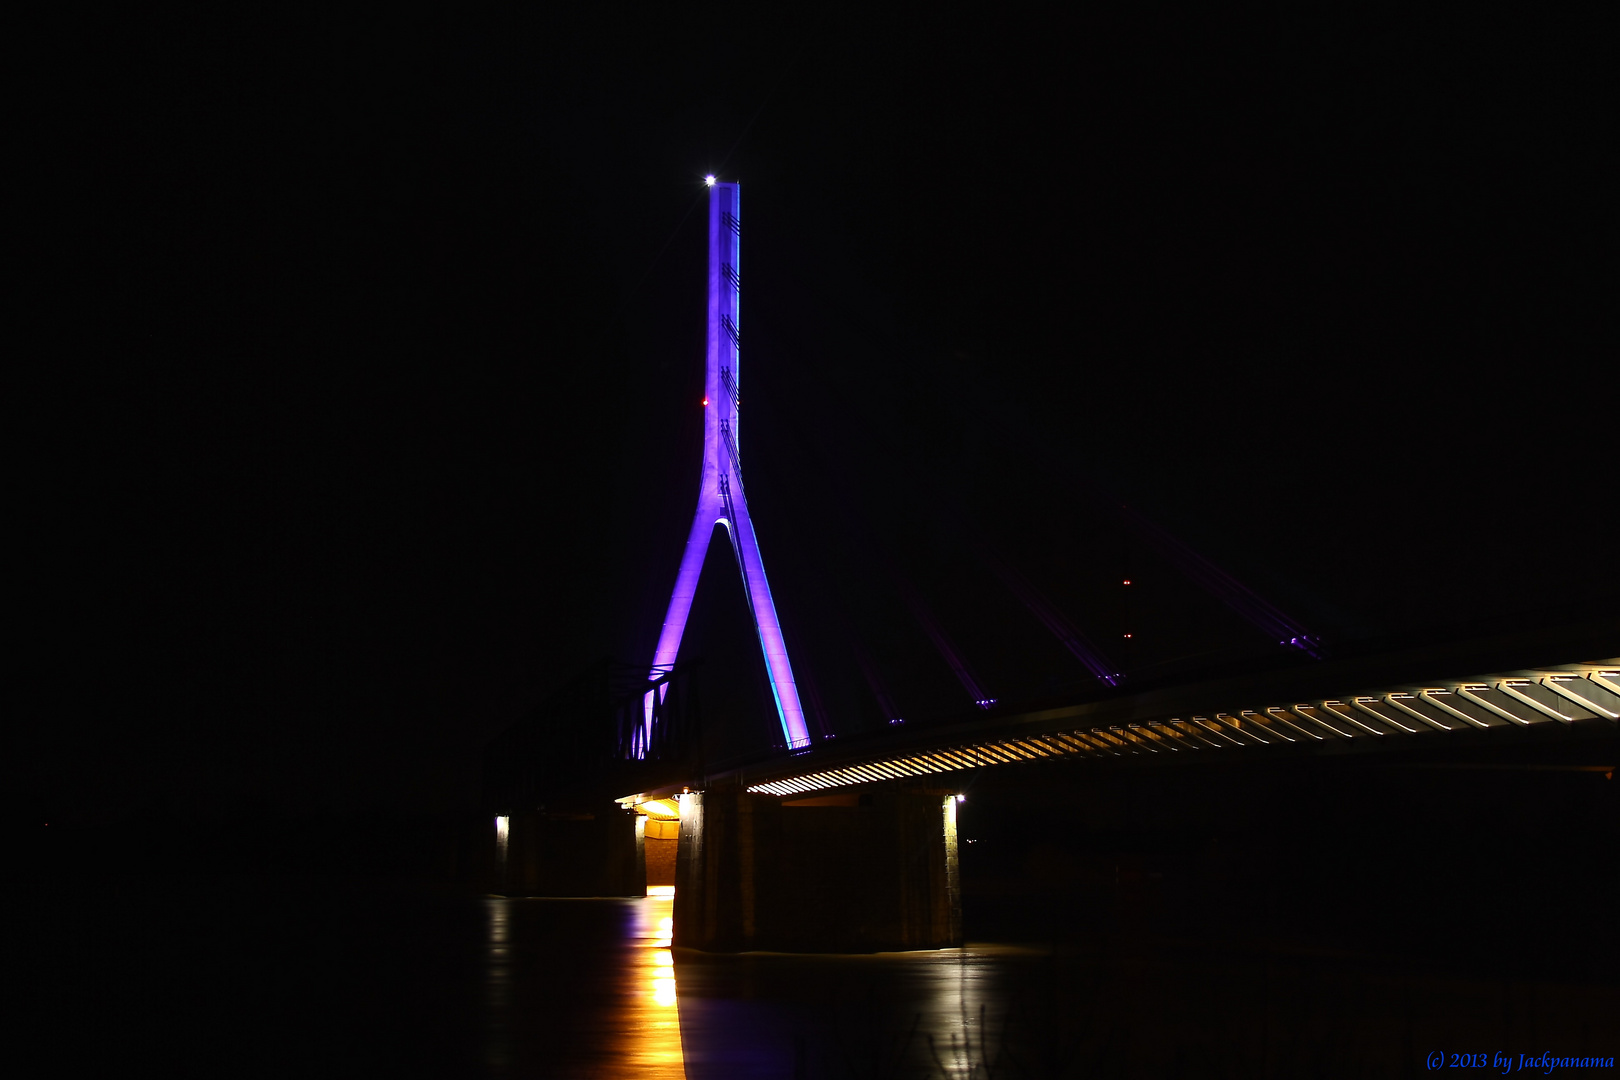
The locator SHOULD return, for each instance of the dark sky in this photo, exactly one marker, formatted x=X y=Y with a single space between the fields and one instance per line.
x=375 y=351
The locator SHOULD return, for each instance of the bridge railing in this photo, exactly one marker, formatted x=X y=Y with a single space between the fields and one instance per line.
x=657 y=720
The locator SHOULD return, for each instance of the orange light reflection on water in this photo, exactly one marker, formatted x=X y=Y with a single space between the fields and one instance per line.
x=655 y=1026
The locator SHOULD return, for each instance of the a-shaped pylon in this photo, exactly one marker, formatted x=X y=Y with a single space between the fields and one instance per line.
x=721 y=499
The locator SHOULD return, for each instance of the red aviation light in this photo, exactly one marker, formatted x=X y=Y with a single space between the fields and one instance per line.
x=705 y=401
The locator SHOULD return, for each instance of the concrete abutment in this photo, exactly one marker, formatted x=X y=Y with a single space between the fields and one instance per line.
x=847 y=873
x=567 y=854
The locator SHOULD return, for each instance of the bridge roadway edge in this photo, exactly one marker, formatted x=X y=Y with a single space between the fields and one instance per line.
x=1592 y=641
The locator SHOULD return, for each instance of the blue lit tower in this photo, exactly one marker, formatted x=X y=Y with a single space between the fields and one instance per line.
x=720 y=490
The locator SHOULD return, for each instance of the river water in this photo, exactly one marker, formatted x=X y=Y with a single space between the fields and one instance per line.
x=267 y=977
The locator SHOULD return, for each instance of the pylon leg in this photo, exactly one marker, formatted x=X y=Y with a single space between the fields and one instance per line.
x=720 y=493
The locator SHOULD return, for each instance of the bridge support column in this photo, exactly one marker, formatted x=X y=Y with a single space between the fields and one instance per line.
x=841 y=873
x=567 y=854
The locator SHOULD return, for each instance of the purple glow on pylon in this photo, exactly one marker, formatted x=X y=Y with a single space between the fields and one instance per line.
x=721 y=499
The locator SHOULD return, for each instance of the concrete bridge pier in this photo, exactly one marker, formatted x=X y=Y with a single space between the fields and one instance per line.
x=845 y=872
x=561 y=853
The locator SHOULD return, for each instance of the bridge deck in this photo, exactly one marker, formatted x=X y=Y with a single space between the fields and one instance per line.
x=1376 y=704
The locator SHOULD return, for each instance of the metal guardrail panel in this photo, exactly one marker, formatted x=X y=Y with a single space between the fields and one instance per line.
x=1425 y=711
x=1301 y=726
x=1386 y=714
x=1544 y=700
x=1503 y=705
x=1586 y=693
x=1465 y=710
x=1333 y=722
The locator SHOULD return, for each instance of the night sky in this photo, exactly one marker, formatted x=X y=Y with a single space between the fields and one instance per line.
x=373 y=357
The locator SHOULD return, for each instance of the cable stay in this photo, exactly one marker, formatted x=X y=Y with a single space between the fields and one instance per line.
x=1223 y=586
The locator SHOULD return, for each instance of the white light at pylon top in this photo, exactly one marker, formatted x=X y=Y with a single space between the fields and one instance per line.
x=708 y=181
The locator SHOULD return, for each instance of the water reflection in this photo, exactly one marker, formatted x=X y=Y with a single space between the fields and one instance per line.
x=307 y=979
x=931 y=1013
x=592 y=988
x=498 y=985
x=1118 y=1007
x=655 y=1028
x=581 y=988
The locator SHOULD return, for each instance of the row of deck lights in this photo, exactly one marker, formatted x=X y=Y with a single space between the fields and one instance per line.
x=1394 y=711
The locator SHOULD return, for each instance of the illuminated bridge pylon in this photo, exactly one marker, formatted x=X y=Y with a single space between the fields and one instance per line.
x=721 y=499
